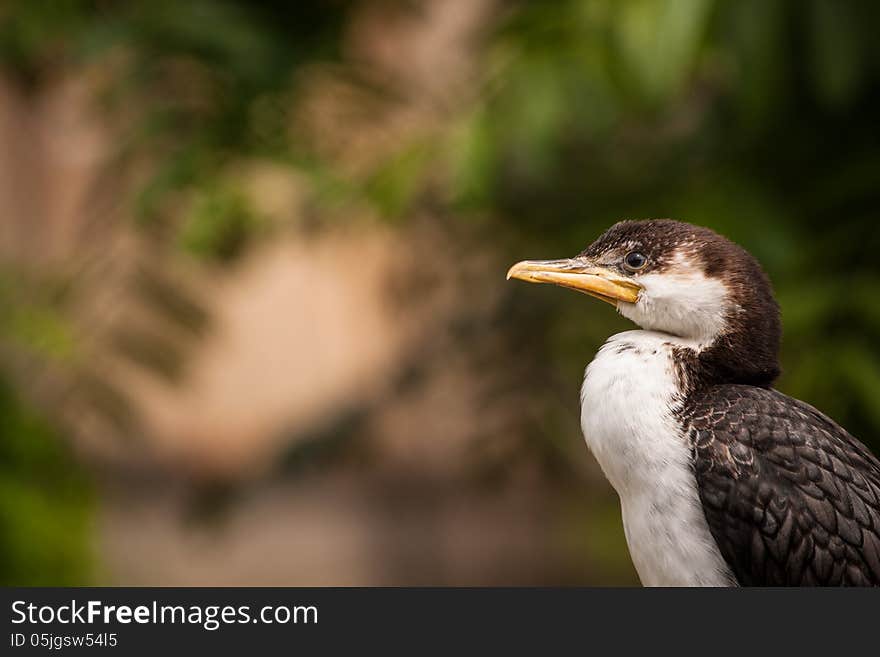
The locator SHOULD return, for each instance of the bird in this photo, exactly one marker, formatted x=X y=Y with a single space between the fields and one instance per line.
x=722 y=479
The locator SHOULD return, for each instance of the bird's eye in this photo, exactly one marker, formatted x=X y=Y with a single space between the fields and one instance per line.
x=634 y=261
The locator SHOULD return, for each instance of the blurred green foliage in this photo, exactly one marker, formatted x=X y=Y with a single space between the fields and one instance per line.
x=219 y=224
x=209 y=81
x=31 y=321
x=755 y=117
x=44 y=502
x=758 y=119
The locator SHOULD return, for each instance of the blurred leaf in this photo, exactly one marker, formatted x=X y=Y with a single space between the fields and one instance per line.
x=837 y=55
x=659 y=41
x=44 y=503
x=394 y=185
x=472 y=159
x=32 y=320
x=219 y=225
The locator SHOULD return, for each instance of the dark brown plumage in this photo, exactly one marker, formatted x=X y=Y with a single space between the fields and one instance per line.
x=790 y=497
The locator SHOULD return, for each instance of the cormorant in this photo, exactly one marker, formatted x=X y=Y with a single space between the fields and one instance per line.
x=722 y=479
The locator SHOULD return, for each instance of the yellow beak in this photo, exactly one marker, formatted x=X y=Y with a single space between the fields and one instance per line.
x=579 y=274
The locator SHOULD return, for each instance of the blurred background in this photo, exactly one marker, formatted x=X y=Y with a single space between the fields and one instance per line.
x=254 y=327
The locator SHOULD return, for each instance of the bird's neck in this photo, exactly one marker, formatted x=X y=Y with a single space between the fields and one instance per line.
x=739 y=356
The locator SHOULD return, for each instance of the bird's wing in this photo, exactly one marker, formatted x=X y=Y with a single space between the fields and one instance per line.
x=790 y=497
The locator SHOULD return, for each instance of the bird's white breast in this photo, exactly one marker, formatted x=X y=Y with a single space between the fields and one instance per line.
x=628 y=401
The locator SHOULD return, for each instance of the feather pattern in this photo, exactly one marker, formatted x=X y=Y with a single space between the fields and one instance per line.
x=790 y=497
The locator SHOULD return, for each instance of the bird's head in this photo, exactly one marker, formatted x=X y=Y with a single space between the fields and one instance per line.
x=684 y=280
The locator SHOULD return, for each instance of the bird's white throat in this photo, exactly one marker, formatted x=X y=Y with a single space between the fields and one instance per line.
x=629 y=401
x=686 y=302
